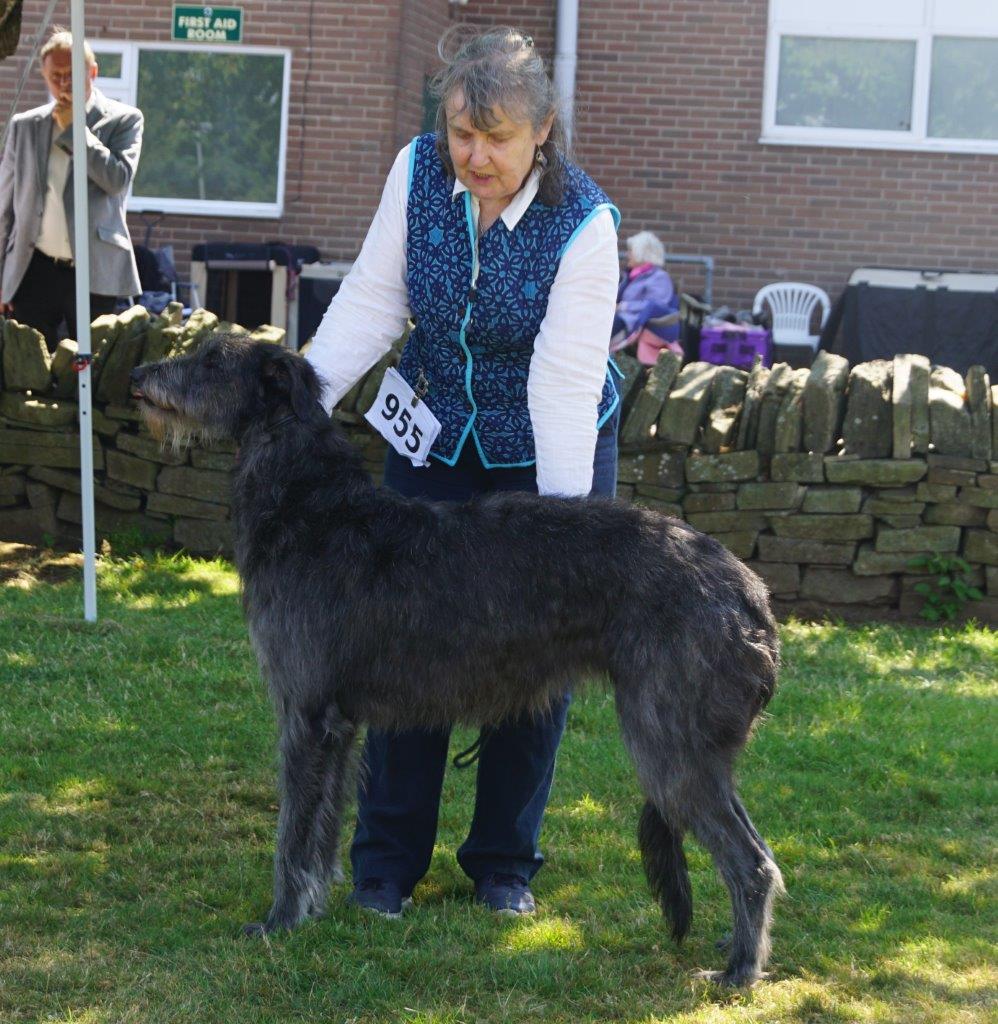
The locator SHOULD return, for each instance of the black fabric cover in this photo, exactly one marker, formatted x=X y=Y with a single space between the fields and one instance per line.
x=958 y=329
x=314 y=296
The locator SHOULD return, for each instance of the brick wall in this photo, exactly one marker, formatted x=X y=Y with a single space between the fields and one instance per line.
x=536 y=19
x=422 y=25
x=669 y=108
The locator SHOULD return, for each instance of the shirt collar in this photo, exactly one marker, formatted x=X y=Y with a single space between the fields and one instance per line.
x=91 y=103
x=518 y=204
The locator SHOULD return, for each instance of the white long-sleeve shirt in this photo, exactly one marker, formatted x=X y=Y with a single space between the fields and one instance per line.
x=568 y=366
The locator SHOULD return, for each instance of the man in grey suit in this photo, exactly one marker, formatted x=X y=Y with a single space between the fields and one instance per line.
x=37 y=247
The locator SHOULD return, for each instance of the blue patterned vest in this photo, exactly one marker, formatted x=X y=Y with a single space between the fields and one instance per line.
x=476 y=356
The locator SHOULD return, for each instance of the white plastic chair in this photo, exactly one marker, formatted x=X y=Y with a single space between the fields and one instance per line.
x=792 y=305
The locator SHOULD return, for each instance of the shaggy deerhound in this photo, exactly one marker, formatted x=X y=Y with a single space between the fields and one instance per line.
x=367 y=607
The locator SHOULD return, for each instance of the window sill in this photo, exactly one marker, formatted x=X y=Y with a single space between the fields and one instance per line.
x=983 y=148
x=205 y=208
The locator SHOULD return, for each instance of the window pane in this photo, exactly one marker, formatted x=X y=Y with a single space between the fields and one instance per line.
x=108 y=64
x=963 y=94
x=845 y=83
x=212 y=125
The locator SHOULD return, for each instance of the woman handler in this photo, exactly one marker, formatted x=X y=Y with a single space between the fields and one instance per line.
x=505 y=255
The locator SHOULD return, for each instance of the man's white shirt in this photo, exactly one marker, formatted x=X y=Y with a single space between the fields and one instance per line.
x=53 y=236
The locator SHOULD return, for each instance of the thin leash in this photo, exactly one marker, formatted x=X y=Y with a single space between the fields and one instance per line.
x=467 y=757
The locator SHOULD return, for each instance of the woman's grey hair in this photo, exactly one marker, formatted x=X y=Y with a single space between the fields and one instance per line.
x=646 y=247
x=499 y=69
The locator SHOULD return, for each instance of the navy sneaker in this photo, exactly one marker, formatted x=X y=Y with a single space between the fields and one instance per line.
x=380 y=897
x=505 y=894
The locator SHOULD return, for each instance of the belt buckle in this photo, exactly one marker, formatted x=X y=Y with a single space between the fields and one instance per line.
x=59 y=261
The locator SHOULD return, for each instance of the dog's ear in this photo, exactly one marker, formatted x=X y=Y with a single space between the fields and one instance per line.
x=289 y=378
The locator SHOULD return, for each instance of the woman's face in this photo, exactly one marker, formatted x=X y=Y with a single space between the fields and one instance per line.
x=491 y=164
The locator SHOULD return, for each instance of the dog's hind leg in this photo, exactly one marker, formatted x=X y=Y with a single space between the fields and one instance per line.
x=747 y=822
x=299 y=865
x=747 y=867
x=724 y=943
x=691 y=788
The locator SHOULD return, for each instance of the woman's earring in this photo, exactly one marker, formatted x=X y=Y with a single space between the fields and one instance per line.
x=540 y=159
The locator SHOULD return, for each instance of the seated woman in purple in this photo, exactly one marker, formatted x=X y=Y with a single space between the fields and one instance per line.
x=646 y=293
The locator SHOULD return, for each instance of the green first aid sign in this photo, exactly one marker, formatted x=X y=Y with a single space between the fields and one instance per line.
x=208 y=24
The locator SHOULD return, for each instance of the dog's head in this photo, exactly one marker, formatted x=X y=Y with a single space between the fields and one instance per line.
x=221 y=389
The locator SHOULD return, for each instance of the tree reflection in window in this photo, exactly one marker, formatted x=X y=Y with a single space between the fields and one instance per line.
x=845 y=83
x=212 y=125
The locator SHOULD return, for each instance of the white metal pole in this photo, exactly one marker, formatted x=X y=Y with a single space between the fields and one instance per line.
x=565 y=49
x=81 y=253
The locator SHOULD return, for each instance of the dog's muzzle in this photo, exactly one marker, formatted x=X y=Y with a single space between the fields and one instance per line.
x=138 y=392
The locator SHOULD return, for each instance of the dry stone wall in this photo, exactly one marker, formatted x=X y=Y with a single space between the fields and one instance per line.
x=144 y=493
x=829 y=481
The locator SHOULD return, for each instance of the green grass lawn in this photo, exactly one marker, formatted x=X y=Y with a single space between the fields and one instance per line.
x=137 y=812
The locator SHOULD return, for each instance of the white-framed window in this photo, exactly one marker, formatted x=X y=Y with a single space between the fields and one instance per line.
x=883 y=74
x=216 y=122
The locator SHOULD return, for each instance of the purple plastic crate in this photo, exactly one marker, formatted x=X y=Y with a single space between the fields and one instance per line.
x=736 y=345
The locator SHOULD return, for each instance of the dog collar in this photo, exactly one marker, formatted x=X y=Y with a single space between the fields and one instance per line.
x=290 y=418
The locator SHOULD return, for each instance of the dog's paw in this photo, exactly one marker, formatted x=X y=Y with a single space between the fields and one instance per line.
x=731 y=979
x=283 y=918
x=255 y=930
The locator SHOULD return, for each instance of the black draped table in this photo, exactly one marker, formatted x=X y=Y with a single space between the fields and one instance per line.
x=952 y=318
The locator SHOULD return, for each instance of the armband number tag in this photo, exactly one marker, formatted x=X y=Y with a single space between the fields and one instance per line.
x=402 y=419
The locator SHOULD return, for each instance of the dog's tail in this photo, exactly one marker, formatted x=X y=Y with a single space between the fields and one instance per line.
x=665 y=868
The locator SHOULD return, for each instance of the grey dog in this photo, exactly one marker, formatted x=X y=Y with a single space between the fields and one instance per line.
x=367 y=607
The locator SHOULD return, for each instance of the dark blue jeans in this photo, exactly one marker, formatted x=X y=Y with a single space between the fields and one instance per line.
x=397 y=808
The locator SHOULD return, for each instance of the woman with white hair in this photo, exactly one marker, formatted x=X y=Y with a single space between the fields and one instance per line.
x=646 y=294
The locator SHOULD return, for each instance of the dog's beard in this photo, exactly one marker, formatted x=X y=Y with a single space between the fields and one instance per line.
x=175 y=431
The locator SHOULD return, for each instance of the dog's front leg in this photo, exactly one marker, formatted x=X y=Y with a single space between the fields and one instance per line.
x=340 y=735
x=299 y=877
